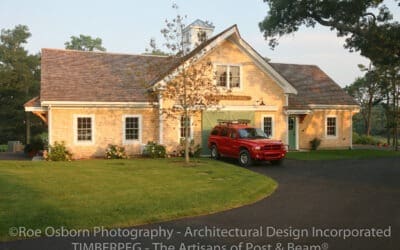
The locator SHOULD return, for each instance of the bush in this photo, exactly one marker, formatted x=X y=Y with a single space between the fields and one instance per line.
x=315 y=143
x=364 y=139
x=194 y=149
x=154 y=150
x=58 y=152
x=115 y=152
x=38 y=143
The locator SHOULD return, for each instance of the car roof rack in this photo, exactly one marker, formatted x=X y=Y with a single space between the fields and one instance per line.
x=233 y=122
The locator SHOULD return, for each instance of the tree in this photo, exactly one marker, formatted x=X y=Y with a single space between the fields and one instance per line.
x=154 y=50
x=19 y=81
x=366 y=91
x=85 y=43
x=192 y=88
x=367 y=24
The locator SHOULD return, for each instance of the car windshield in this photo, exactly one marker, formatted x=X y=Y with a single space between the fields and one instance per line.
x=252 y=133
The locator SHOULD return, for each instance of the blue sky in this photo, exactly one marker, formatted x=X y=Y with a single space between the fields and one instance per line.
x=127 y=26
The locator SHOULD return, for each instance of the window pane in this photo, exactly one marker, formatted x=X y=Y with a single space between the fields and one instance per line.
x=234 y=73
x=331 y=126
x=131 y=128
x=221 y=76
x=84 y=129
x=268 y=126
x=183 y=122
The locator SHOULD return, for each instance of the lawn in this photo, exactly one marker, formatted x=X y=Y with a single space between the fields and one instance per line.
x=120 y=193
x=341 y=154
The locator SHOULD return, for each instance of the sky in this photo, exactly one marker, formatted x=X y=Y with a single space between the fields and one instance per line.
x=126 y=26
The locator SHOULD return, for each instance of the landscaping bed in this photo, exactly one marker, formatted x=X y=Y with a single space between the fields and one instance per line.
x=120 y=193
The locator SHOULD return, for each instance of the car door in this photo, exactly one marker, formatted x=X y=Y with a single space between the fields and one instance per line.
x=223 y=146
x=231 y=142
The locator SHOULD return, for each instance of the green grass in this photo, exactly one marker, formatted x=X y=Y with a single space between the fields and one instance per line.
x=120 y=193
x=341 y=154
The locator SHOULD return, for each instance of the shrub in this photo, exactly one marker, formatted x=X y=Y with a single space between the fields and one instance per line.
x=364 y=139
x=315 y=143
x=154 y=150
x=115 y=152
x=38 y=143
x=194 y=149
x=58 y=152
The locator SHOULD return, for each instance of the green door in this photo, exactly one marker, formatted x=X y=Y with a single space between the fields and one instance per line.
x=210 y=119
x=292 y=132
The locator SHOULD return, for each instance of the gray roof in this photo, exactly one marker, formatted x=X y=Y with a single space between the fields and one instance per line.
x=313 y=86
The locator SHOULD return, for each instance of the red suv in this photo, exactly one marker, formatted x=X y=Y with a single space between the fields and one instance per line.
x=235 y=139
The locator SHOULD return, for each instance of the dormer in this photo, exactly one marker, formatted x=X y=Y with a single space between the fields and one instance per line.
x=196 y=33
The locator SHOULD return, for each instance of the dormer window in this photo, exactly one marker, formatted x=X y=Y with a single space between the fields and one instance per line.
x=228 y=76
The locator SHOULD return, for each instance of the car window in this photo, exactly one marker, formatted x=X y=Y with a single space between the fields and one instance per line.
x=252 y=133
x=214 y=132
x=233 y=134
x=224 y=132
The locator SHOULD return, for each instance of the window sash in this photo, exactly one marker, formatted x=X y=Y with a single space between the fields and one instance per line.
x=228 y=76
x=84 y=129
x=185 y=120
x=331 y=126
x=132 y=128
x=268 y=126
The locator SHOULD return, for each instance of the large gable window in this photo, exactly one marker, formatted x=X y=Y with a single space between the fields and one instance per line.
x=84 y=129
x=228 y=76
x=132 y=128
x=331 y=126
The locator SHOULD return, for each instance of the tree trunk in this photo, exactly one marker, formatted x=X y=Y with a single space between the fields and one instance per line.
x=28 y=128
x=368 y=121
x=187 y=137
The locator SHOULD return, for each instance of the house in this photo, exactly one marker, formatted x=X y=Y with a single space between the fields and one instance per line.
x=92 y=99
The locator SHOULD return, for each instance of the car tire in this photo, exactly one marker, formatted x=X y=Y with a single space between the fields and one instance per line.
x=245 y=158
x=277 y=162
x=214 y=152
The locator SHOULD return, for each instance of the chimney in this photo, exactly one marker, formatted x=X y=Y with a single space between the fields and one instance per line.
x=196 y=33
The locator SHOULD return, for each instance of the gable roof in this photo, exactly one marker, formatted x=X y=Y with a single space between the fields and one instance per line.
x=313 y=85
x=231 y=33
x=69 y=75
x=200 y=23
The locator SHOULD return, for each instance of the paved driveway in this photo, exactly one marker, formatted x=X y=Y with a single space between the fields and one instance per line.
x=335 y=197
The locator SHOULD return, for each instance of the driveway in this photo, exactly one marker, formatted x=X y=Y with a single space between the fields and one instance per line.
x=356 y=197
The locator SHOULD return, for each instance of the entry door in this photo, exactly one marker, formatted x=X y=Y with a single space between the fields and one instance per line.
x=292 y=132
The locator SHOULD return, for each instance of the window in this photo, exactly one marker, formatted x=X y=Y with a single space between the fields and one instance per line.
x=228 y=76
x=331 y=126
x=185 y=120
x=83 y=129
x=131 y=129
x=267 y=126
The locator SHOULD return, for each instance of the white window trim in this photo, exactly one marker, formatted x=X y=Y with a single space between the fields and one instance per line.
x=272 y=124
x=135 y=141
x=228 y=65
x=179 y=128
x=336 y=127
x=75 y=126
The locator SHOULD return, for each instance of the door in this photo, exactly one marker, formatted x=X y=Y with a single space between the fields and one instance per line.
x=292 y=132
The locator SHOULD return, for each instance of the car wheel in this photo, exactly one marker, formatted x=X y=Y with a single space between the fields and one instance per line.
x=277 y=162
x=245 y=158
x=214 y=152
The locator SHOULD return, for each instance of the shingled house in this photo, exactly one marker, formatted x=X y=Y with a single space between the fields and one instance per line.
x=92 y=99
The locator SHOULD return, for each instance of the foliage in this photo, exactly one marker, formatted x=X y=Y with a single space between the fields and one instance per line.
x=192 y=87
x=366 y=91
x=365 y=139
x=20 y=76
x=58 y=152
x=115 y=152
x=366 y=24
x=315 y=143
x=38 y=143
x=3 y=148
x=85 y=43
x=83 y=194
x=194 y=149
x=154 y=50
x=154 y=150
